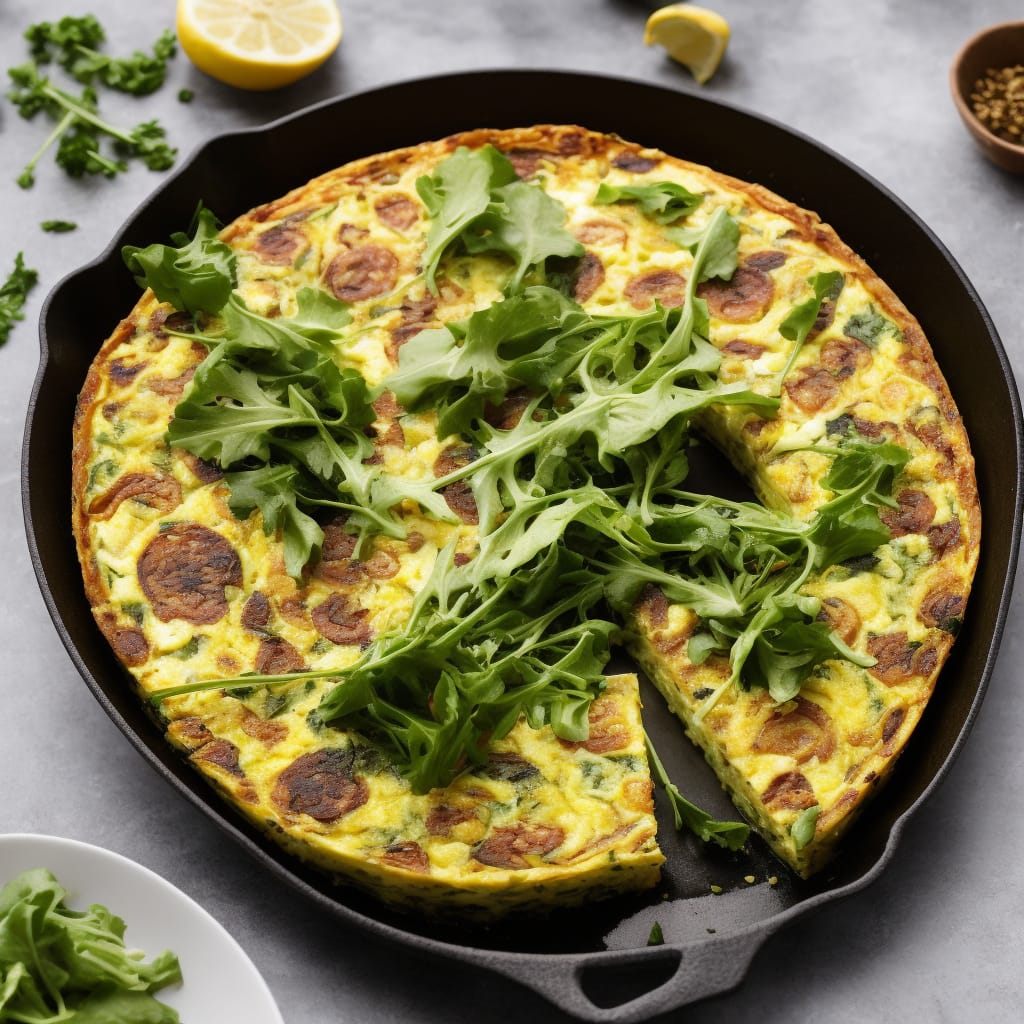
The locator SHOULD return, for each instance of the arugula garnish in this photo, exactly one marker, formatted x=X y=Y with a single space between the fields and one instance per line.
x=58 y=964
x=196 y=275
x=730 y=835
x=476 y=200
x=13 y=293
x=800 y=321
x=662 y=201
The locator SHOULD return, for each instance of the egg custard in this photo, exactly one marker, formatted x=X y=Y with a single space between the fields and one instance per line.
x=809 y=352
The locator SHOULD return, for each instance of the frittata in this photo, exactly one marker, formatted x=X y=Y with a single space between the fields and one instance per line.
x=187 y=589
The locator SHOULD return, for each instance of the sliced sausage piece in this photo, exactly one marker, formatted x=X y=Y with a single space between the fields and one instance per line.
x=256 y=611
x=842 y=617
x=789 y=791
x=654 y=602
x=361 y=273
x=458 y=495
x=130 y=644
x=589 y=277
x=222 y=753
x=744 y=298
x=322 y=785
x=668 y=287
x=944 y=537
x=942 y=607
x=891 y=727
x=442 y=818
x=812 y=388
x=184 y=571
x=341 y=622
x=157 y=491
x=801 y=733
x=743 y=349
x=408 y=855
x=507 y=415
x=898 y=660
x=769 y=259
x=397 y=210
x=277 y=657
x=627 y=161
x=510 y=846
x=263 y=729
x=842 y=357
x=608 y=729
x=282 y=244
x=916 y=510
x=602 y=232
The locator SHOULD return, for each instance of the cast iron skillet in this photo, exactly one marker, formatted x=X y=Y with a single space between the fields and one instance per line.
x=594 y=962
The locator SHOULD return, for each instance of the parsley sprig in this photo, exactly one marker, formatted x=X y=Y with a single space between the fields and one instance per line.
x=13 y=293
x=79 y=131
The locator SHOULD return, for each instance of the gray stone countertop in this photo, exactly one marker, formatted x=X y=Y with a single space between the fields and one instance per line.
x=939 y=937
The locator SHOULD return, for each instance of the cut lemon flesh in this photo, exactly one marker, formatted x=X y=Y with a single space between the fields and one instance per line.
x=258 y=44
x=693 y=36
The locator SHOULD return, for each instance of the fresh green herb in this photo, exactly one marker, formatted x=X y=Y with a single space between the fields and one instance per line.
x=657 y=937
x=58 y=227
x=58 y=964
x=662 y=201
x=79 y=130
x=185 y=95
x=72 y=43
x=869 y=327
x=802 y=830
x=798 y=325
x=730 y=835
x=196 y=275
x=476 y=200
x=13 y=293
x=471 y=661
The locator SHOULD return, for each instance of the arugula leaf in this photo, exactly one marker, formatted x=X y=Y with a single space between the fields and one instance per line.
x=455 y=195
x=527 y=226
x=57 y=964
x=730 y=835
x=13 y=293
x=798 y=324
x=662 y=201
x=196 y=275
x=475 y=199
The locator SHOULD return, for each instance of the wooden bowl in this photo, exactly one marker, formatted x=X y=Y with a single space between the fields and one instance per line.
x=997 y=47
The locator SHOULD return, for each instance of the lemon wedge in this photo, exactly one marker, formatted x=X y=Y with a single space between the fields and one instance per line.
x=258 y=44
x=693 y=36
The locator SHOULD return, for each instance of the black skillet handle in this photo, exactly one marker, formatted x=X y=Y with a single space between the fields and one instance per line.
x=603 y=988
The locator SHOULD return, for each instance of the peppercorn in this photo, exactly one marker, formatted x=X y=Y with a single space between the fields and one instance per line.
x=997 y=100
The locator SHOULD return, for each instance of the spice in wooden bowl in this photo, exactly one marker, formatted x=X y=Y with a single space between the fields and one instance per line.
x=997 y=100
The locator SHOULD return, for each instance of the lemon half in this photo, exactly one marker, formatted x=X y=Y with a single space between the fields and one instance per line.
x=258 y=44
x=693 y=36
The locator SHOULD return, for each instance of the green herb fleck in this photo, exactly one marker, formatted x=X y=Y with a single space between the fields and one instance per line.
x=185 y=95
x=657 y=937
x=58 y=227
x=802 y=830
x=13 y=293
